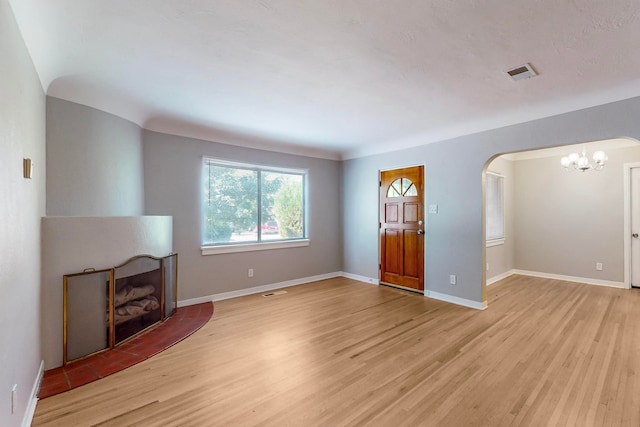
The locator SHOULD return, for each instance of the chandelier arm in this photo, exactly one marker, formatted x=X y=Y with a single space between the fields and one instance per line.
x=580 y=161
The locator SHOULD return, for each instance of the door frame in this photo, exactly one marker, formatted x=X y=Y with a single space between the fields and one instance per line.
x=424 y=204
x=627 y=221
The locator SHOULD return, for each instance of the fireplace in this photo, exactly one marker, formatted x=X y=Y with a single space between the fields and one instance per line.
x=104 y=308
x=137 y=297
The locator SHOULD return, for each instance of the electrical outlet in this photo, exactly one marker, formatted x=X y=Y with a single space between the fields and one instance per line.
x=250 y=272
x=452 y=279
x=599 y=266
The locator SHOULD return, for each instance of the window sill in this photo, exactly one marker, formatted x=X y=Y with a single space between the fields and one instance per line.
x=495 y=242
x=251 y=247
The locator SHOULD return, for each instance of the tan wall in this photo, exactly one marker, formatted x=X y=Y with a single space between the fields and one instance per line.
x=565 y=222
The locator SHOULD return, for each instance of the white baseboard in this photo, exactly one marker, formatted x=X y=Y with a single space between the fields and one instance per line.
x=456 y=300
x=359 y=278
x=370 y=280
x=33 y=400
x=435 y=295
x=257 y=289
x=499 y=277
x=585 y=280
x=431 y=294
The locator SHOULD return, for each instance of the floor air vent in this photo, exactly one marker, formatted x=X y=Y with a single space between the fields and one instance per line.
x=273 y=294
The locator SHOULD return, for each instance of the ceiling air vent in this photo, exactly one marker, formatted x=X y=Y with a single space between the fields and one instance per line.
x=521 y=72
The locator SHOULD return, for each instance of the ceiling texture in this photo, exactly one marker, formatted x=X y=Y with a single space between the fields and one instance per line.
x=332 y=78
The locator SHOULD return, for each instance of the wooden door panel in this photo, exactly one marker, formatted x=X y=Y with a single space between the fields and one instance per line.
x=391 y=213
x=392 y=245
x=401 y=227
x=411 y=259
x=411 y=211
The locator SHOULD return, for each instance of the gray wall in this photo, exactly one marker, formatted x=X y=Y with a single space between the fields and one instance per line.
x=94 y=162
x=102 y=165
x=22 y=203
x=453 y=173
x=566 y=222
x=172 y=176
x=500 y=258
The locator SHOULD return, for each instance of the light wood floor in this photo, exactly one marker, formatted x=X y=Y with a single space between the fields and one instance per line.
x=339 y=352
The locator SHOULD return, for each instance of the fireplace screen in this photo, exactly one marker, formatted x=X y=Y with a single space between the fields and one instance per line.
x=86 y=297
x=105 y=308
x=170 y=284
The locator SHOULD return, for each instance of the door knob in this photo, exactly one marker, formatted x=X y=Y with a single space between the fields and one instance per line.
x=635 y=235
x=422 y=232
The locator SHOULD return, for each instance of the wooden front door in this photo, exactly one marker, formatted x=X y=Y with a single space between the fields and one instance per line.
x=402 y=228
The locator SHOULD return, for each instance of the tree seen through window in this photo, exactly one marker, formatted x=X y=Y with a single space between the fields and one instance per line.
x=250 y=204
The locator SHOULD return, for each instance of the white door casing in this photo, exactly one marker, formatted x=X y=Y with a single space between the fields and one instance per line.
x=635 y=227
x=632 y=224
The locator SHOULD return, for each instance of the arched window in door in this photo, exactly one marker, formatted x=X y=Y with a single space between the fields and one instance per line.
x=402 y=187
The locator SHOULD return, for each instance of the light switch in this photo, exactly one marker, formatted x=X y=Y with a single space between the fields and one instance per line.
x=433 y=209
x=27 y=168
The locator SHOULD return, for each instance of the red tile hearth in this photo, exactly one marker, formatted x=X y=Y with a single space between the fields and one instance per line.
x=183 y=323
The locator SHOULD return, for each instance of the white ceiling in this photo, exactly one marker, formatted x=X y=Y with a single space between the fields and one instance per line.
x=332 y=78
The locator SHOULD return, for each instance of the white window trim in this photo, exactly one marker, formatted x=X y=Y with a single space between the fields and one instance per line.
x=251 y=247
x=250 y=166
x=264 y=245
x=495 y=242
x=501 y=240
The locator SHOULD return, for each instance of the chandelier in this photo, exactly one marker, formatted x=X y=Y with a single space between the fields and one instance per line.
x=581 y=162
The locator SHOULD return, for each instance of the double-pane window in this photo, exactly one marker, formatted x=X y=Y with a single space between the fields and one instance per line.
x=251 y=204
